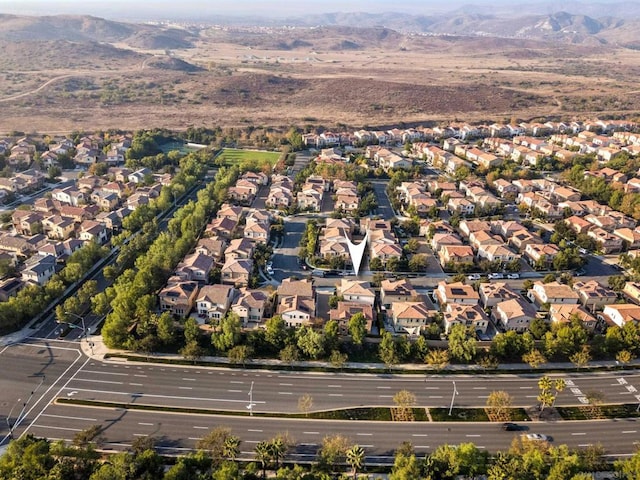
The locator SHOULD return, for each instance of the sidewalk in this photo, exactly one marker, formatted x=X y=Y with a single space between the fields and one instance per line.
x=98 y=351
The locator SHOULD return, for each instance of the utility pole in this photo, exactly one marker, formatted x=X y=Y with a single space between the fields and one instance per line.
x=251 y=404
x=453 y=396
x=84 y=328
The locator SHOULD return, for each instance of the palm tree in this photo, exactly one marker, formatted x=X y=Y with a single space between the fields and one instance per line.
x=231 y=447
x=263 y=455
x=559 y=385
x=277 y=449
x=355 y=458
x=544 y=384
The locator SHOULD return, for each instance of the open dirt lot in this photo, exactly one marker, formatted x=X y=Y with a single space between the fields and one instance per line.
x=222 y=82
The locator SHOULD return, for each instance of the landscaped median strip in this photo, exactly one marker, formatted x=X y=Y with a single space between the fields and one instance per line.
x=379 y=414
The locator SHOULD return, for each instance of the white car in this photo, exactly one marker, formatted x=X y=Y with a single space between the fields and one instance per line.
x=269 y=270
x=495 y=276
x=474 y=276
x=538 y=437
x=513 y=276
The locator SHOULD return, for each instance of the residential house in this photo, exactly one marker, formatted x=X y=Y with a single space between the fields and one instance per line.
x=296 y=310
x=196 y=266
x=456 y=292
x=345 y=310
x=632 y=291
x=553 y=292
x=257 y=232
x=250 y=306
x=607 y=242
x=524 y=237
x=469 y=226
x=455 y=254
x=58 y=227
x=461 y=206
x=27 y=222
x=593 y=295
x=231 y=212
x=91 y=230
x=178 y=297
x=214 y=301
x=69 y=195
x=237 y=271
x=239 y=248
x=9 y=287
x=541 y=253
x=399 y=290
x=213 y=247
x=620 y=313
x=409 y=317
x=515 y=314
x=471 y=316
x=221 y=227
x=493 y=293
x=39 y=269
x=559 y=313
x=356 y=291
x=497 y=253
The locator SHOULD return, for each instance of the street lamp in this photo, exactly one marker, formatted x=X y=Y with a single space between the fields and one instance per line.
x=84 y=328
x=251 y=404
x=9 y=419
x=453 y=396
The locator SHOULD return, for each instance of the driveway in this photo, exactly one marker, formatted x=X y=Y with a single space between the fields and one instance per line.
x=384 y=206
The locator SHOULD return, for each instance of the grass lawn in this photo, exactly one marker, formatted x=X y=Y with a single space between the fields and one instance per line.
x=607 y=411
x=232 y=156
x=459 y=415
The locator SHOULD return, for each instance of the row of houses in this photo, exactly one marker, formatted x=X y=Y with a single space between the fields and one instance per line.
x=462 y=131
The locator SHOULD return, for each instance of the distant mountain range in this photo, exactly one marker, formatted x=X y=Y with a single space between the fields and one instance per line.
x=577 y=29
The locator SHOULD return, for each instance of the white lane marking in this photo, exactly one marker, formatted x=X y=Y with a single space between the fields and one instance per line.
x=105 y=373
x=364 y=435
x=419 y=435
x=385 y=396
x=479 y=388
x=470 y=435
x=585 y=444
x=629 y=431
x=422 y=446
x=58 y=428
x=308 y=444
x=254 y=430
x=622 y=381
x=185 y=388
x=251 y=441
x=526 y=388
x=285 y=393
x=237 y=381
x=146 y=423
x=140 y=435
x=435 y=396
x=334 y=386
x=311 y=433
x=286 y=384
x=432 y=388
x=173 y=397
x=139 y=375
x=92 y=380
x=197 y=438
x=188 y=379
x=200 y=428
x=335 y=395
x=70 y=418
x=384 y=388
x=367 y=446
x=234 y=391
x=135 y=384
x=578 y=433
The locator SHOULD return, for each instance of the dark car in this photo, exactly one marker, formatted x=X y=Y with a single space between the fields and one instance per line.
x=510 y=427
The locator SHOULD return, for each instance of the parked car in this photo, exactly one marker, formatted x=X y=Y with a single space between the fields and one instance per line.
x=513 y=276
x=318 y=273
x=496 y=276
x=269 y=270
x=538 y=437
x=583 y=251
x=474 y=276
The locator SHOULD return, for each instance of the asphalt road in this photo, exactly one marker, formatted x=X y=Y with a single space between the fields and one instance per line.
x=67 y=374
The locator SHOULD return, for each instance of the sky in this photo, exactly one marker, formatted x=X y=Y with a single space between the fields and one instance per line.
x=154 y=9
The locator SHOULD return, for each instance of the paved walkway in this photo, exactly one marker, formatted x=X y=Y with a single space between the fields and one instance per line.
x=94 y=347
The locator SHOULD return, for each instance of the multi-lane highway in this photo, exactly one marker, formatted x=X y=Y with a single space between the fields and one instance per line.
x=44 y=370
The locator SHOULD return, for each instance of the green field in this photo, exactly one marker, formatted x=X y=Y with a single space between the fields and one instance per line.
x=233 y=156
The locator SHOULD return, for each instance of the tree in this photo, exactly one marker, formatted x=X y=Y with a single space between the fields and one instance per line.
x=624 y=357
x=192 y=351
x=545 y=397
x=375 y=264
x=387 y=350
x=87 y=436
x=559 y=385
x=439 y=359
x=617 y=282
x=289 y=354
x=239 y=354
x=305 y=403
x=582 y=357
x=405 y=467
x=191 y=330
x=310 y=342
x=499 y=405
x=231 y=447
x=355 y=458
x=534 y=358
x=227 y=335
x=276 y=332
x=357 y=328
x=337 y=359
x=418 y=262
x=462 y=346
x=333 y=450
x=263 y=455
x=215 y=444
